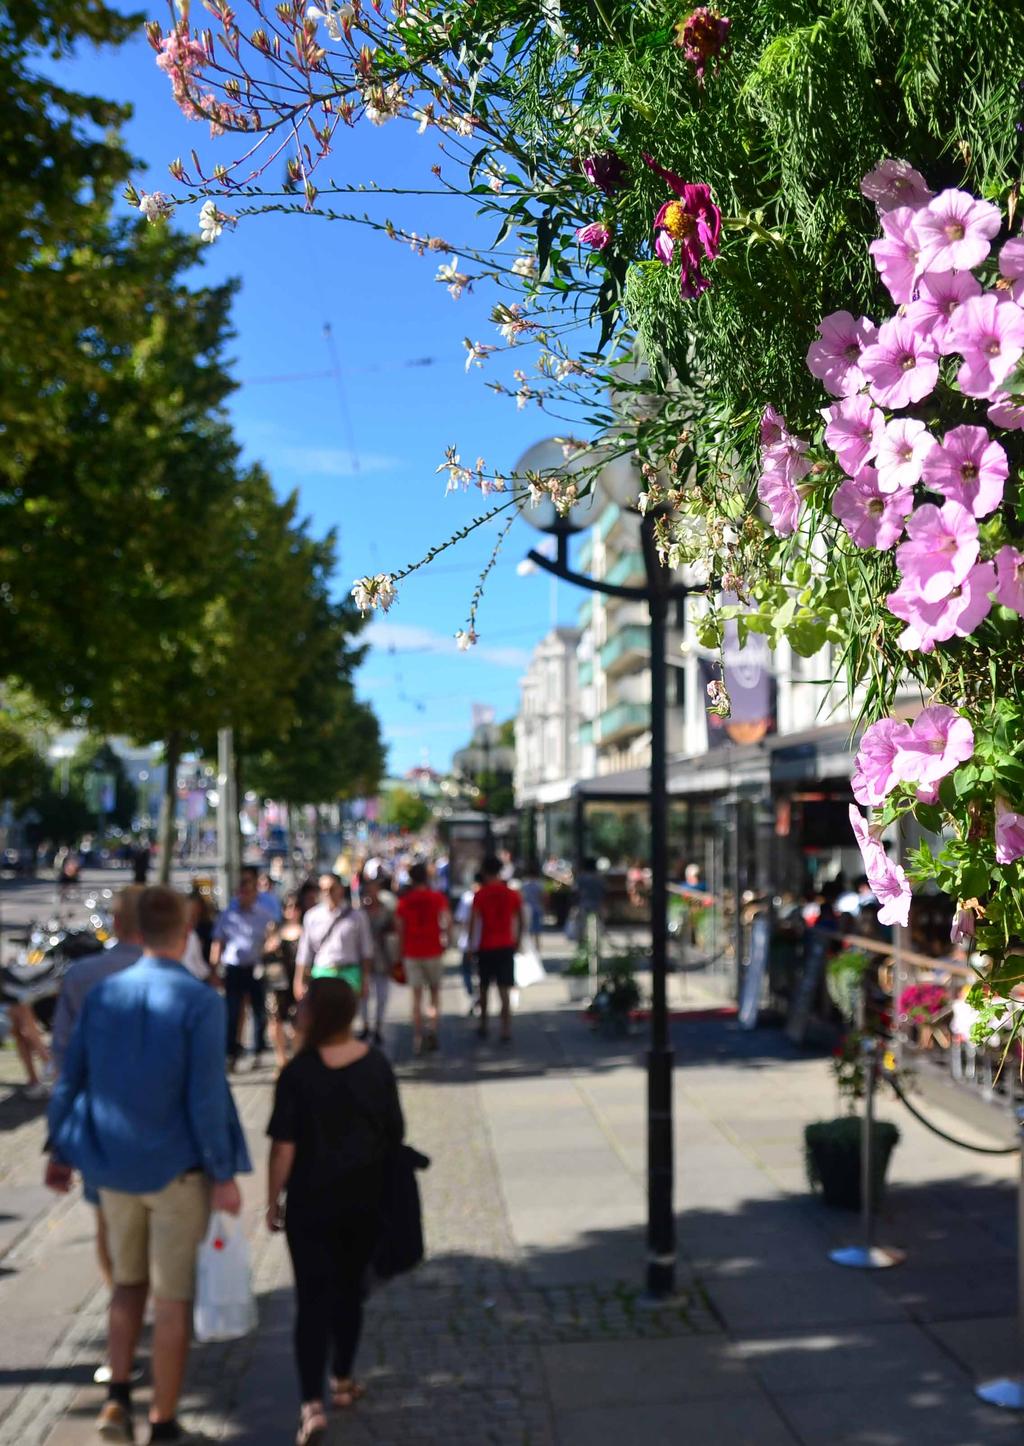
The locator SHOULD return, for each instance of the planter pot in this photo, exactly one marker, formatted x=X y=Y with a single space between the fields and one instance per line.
x=578 y=986
x=832 y=1153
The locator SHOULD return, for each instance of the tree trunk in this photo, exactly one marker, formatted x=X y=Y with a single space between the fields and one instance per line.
x=168 y=805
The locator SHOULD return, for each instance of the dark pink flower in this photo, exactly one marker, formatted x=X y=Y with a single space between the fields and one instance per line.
x=888 y=881
x=1011 y=266
x=897 y=254
x=871 y=517
x=1009 y=833
x=702 y=36
x=1010 y=572
x=989 y=335
x=899 y=456
x=938 y=296
x=780 y=496
x=954 y=231
x=606 y=171
x=954 y=616
x=786 y=455
x=876 y=773
x=969 y=468
x=853 y=428
x=893 y=184
x=835 y=357
x=689 y=229
x=942 y=548
x=901 y=366
x=939 y=740
x=596 y=236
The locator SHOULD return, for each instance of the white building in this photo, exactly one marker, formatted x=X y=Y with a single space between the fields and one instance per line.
x=547 y=755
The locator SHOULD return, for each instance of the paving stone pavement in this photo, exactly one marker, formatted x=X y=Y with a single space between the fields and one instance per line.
x=525 y=1326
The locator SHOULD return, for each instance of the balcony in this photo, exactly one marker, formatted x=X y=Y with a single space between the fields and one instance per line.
x=586 y=556
x=624 y=720
x=629 y=648
x=586 y=673
x=628 y=571
x=586 y=613
x=586 y=733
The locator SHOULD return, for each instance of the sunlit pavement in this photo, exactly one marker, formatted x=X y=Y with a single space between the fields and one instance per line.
x=526 y=1325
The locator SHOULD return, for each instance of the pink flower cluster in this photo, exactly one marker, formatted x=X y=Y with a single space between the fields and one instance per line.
x=925 y=257
x=888 y=881
x=923 y=752
x=923 y=1003
x=701 y=37
x=783 y=463
x=182 y=58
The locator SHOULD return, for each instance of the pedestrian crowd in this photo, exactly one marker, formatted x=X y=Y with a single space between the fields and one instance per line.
x=145 y=1035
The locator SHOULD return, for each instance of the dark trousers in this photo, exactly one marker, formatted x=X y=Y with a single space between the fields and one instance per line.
x=329 y=1259
x=240 y=983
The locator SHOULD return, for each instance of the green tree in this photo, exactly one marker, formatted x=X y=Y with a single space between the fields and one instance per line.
x=403 y=809
x=24 y=773
x=96 y=757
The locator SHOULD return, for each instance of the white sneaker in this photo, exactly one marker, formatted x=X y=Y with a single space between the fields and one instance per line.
x=38 y=1091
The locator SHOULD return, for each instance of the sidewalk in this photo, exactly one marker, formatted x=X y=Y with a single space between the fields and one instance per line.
x=526 y=1327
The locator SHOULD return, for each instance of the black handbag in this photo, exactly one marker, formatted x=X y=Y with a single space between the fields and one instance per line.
x=400 y=1242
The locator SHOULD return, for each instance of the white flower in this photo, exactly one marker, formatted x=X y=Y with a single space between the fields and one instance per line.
x=425 y=117
x=155 y=206
x=496 y=174
x=465 y=638
x=463 y=125
x=456 y=281
x=477 y=352
x=525 y=266
x=384 y=102
x=335 y=17
x=374 y=592
x=211 y=222
x=511 y=322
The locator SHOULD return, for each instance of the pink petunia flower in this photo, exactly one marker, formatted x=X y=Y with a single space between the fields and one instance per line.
x=901 y=366
x=955 y=230
x=900 y=454
x=876 y=773
x=780 y=496
x=1009 y=833
x=1011 y=266
x=787 y=455
x=1006 y=413
x=853 y=428
x=835 y=357
x=872 y=518
x=773 y=427
x=956 y=615
x=895 y=183
x=989 y=335
x=596 y=236
x=888 y=880
x=969 y=468
x=897 y=254
x=941 y=549
x=963 y=926
x=939 y=740
x=938 y=296
x=1010 y=573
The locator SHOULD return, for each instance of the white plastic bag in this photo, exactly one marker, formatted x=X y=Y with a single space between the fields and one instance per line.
x=224 y=1306
x=529 y=969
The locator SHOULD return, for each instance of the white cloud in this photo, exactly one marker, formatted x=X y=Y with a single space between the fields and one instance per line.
x=332 y=461
x=410 y=638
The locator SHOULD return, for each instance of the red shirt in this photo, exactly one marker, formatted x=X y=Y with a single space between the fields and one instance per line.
x=421 y=912
x=498 y=907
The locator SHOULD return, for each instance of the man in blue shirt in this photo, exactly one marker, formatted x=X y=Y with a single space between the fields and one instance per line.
x=237 y=949
x=142 y=1108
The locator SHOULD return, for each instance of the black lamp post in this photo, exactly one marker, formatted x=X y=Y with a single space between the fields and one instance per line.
x=620 y=483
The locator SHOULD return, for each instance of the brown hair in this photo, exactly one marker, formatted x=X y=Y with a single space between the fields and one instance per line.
x=329 y=1008
x=126 y=908
x=163 y=916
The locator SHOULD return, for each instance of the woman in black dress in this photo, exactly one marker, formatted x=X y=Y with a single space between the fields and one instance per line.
x=336 y=1121
x=279 y=952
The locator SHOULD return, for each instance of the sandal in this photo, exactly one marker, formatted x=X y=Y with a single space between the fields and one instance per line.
x=345 y=1392
x=312 y=1425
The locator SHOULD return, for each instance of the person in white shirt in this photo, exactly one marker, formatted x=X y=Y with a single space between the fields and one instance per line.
x=336 y=943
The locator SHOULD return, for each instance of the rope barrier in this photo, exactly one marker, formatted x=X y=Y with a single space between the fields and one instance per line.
x=951 y=1139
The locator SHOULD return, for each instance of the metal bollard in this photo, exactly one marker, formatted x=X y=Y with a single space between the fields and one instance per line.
x=868 y=1256
x=1008 y=1391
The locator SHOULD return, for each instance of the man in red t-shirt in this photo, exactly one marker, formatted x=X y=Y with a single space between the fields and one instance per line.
x=494 y=937
x=422 y=920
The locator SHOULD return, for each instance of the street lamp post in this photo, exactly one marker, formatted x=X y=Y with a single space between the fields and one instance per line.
x=619 y=482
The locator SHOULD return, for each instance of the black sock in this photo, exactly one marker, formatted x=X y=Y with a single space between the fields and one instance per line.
x=165 y=1430
x=121 y=1392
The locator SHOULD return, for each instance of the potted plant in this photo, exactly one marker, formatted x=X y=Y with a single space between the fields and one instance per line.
x=832 y=1148
x=577 y=977
x=618 y=994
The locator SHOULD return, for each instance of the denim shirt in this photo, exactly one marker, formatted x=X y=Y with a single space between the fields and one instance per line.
x=142 y=1097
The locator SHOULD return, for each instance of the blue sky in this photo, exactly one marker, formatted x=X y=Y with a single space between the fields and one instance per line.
x=372 y=477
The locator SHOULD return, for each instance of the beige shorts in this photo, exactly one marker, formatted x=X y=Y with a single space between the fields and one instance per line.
x=425 y=973
x=155 y=1237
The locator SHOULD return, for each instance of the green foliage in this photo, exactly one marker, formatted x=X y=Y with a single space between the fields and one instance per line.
x=403 y=809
